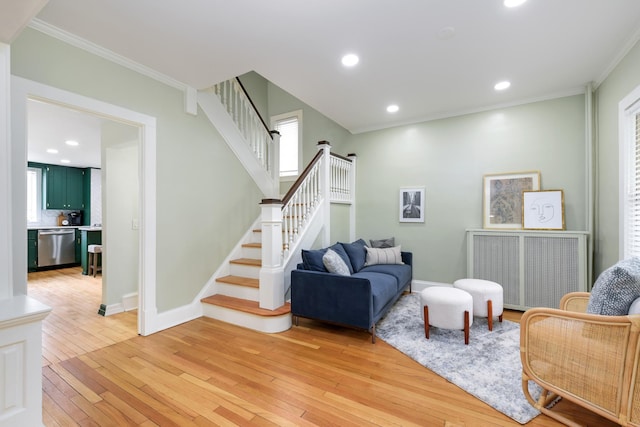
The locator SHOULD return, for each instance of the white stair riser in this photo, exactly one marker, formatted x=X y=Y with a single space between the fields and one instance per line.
x=244 y=271
x=244 y=292
x=256 y=237
x=271 y=324
x=254 y=253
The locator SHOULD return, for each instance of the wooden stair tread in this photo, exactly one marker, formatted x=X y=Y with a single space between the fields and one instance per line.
x=240 y=281
x=252 y=245
x=245 y=306
x=247 y=261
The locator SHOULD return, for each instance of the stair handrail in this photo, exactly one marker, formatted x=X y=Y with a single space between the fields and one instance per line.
x=242 y=110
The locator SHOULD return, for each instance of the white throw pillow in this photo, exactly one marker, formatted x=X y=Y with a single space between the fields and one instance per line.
x=383 y=256
x=334 y=263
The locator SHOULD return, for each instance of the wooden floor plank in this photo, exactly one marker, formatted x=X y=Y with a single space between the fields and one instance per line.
x=98 y=372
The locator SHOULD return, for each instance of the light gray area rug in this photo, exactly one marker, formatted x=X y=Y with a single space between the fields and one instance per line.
x=489 y=367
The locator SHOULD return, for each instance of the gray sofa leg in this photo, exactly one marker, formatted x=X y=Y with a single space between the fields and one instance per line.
x=373 y=334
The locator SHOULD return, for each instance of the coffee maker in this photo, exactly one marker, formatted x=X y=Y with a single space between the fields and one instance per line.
x=75 y=218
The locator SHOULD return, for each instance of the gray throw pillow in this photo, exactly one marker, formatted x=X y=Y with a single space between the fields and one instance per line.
x=334 y=263
x=384 y=256
x=616 y=288
x=383 y=243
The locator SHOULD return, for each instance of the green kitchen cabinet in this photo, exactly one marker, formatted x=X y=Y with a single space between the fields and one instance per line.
x=32 y=250
x=89 y=236
x=62 y=187
x=78 y=246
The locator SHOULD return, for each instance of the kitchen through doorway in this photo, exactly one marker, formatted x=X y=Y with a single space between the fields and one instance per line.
x=109 y=151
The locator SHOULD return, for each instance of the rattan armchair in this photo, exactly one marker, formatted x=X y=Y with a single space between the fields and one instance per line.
x=591 y=360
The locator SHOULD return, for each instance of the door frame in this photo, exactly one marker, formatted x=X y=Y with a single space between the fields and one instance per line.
x=22 y=90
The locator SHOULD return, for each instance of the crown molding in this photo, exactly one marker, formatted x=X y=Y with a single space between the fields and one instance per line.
x=457 y=113
x=107 y=54
x=618 y=58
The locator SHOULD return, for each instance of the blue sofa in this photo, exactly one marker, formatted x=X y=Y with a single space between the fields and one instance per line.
x=358 y=298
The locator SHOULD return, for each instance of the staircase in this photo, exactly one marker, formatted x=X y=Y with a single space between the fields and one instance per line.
x=250 y=288
x=237 y=300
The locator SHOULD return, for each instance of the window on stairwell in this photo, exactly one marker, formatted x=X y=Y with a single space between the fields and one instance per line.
x=629 y=134
x=290 y=127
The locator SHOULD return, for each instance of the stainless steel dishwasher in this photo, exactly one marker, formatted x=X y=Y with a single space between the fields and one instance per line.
x=56 y=247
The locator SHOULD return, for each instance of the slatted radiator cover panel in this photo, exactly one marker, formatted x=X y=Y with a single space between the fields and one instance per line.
x=496 y=258
x=535 y=268
x=559 y=258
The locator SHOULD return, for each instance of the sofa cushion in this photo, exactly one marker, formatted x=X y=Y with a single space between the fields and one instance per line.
x=383 y=288
x=334 y=263
x=312 y=259
x=616 y=288
x=402 y=272
x=383 y=243
x=383 y=256
x=356 y=252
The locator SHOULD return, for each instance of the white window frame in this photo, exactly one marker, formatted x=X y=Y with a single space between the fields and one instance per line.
x=628 y=110
x=38 y=196
x=286 y=116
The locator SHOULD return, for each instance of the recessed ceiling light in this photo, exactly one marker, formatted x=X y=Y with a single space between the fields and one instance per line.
x=502 y=85
x=350 y=60
x=513 y=3
x=392 y=108
x=65 y=161
x=52 y=151
x=72 y=143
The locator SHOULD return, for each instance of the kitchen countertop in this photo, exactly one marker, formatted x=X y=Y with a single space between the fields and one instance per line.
x=50 y=227
x=90 y=228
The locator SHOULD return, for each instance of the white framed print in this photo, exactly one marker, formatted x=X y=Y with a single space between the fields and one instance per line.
x=543 y=210
x=411 y=204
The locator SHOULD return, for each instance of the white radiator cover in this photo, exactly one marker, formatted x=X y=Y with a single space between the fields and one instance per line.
x=535 y=268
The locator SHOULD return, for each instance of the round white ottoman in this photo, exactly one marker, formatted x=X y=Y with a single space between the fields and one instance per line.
x=448 y=308
x=487 y=298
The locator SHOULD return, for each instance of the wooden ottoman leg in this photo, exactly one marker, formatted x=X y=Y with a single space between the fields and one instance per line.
x=500 y=318
x=426 y=322
x=466 y=327
x=490 y=314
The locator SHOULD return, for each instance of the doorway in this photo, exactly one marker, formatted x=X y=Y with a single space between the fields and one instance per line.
x=62 y=136
x=22 y=91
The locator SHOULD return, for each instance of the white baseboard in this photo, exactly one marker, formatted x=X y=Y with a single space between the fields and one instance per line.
x=130 y=301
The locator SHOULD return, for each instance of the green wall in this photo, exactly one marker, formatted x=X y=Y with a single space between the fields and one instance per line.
x=315 y=126
x=200 y=216
x=449 y=158
x=618 y=84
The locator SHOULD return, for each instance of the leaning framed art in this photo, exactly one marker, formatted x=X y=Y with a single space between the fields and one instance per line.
x=543 y=210
x=412 y=204
x=502 y=198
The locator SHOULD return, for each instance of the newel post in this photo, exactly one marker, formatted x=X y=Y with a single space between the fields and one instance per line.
x=272 y=271
x=275 y=162
x=325 y=183
x=352 y=194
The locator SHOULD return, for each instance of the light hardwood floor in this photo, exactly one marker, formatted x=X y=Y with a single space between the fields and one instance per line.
x=98 y=372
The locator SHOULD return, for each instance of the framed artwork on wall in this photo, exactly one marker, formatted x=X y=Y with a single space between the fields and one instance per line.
x=543 y=210
x=412 y=204
x=502 y=198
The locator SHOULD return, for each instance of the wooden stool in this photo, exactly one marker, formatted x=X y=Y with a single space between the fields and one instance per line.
x=94 y=253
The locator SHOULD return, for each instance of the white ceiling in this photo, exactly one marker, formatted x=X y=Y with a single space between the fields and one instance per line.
x=546 y=48
x=50 y=126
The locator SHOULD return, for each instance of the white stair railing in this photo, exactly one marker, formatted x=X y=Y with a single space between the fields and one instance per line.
x=328 y=177
x=234 y=98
